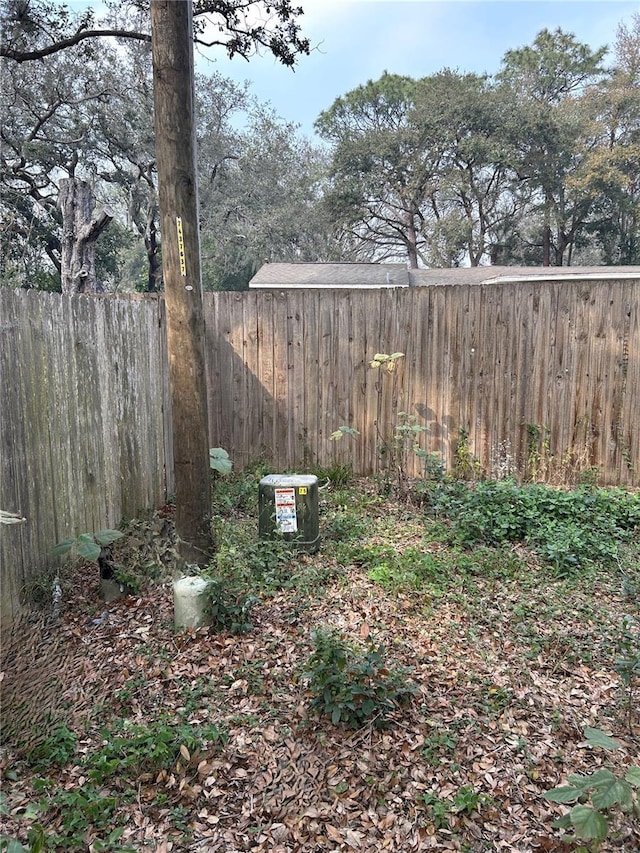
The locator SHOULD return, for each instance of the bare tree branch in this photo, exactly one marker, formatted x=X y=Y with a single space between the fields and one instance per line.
x=81 y=35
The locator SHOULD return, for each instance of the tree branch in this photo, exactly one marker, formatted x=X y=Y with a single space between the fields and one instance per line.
x=79 y=36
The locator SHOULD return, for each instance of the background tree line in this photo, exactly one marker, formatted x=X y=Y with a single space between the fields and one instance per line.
x=538 y=164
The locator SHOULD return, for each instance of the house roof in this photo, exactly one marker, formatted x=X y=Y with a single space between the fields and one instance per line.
x=398 y=275
x=331 y=275
x=493 y=274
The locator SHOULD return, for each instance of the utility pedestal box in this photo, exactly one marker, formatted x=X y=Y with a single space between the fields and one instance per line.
x=288 y=506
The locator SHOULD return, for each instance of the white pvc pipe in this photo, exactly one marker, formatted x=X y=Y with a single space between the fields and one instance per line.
x=190 y=603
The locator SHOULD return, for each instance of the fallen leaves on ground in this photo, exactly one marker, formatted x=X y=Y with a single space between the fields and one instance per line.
x=508 y=675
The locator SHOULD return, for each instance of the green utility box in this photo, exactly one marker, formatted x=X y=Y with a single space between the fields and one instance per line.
x=288 y=505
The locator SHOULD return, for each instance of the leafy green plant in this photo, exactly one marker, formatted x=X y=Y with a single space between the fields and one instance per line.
x=37 y=841
x=127 y=748
x=87 y=545
x=465 y=464
x=466 y=800
x=396 y=450
x=75 y=812
x=249 y=564
x=343 y=430
x=433 y=467
x=396 y=442
x=385 y=362
x=338 y=475
x=229 y=606
x=438 y=742
x=235 y=493
x=596 y=796
x=538 y=450
x=567 y=529
x=137 y=748
x=440 y=810
x=129 y=580
x=55 y=750
x=352 y=685
x=219 y=460
x=390 y=568
x=343 y=525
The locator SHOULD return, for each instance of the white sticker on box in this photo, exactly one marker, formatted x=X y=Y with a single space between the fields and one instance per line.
x=286 y=518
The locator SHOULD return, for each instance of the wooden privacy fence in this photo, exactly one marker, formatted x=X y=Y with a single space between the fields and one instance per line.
x=83 y=426
x=535 y=379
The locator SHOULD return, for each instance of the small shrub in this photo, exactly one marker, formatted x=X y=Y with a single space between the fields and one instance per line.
x=343 y=526
x=233 y=494
x=249 y=563
x=627 y=663
x=229 y=606
x=269 y=562
x=350 y=685
x=395 y=569
x=465 y=464
x=438 y=743
x=440 y=810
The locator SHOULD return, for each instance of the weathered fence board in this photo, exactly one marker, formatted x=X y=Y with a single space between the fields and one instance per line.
x=535 y=378
x=83 y=437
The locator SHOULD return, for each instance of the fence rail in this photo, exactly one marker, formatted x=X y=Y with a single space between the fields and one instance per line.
x=536 y=379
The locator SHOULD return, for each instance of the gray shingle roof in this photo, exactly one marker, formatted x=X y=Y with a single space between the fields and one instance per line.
x=397 y=275
x=331 y=275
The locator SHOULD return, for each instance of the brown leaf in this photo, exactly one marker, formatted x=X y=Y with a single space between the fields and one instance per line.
x=333 y=833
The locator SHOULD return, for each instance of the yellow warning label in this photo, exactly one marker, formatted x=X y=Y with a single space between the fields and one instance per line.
x=302 y=490
x=181 y=254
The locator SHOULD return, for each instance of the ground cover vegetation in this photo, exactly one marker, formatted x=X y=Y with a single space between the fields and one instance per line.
x=458 y=669
x=537 y=164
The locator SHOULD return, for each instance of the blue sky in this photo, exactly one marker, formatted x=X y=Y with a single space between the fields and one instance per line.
x=357 y=40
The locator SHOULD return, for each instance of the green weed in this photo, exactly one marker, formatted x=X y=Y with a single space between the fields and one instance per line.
x=596 y=797
x=337 y=475
x=138 y=748
x=56 y=750
x=235 y=493
x=439 y=743
x=229 y=606
x=87 y=545
x=627 y=664
x=352 y=685
x=568 y=530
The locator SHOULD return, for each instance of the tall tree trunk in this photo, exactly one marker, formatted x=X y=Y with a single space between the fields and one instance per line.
x=412 y=243
x=80 y=232
x=151 y=246
x=173 y=90
x=546 y=234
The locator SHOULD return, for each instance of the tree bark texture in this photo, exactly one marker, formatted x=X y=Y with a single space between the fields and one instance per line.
x=80 y=232
x=173 y=87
